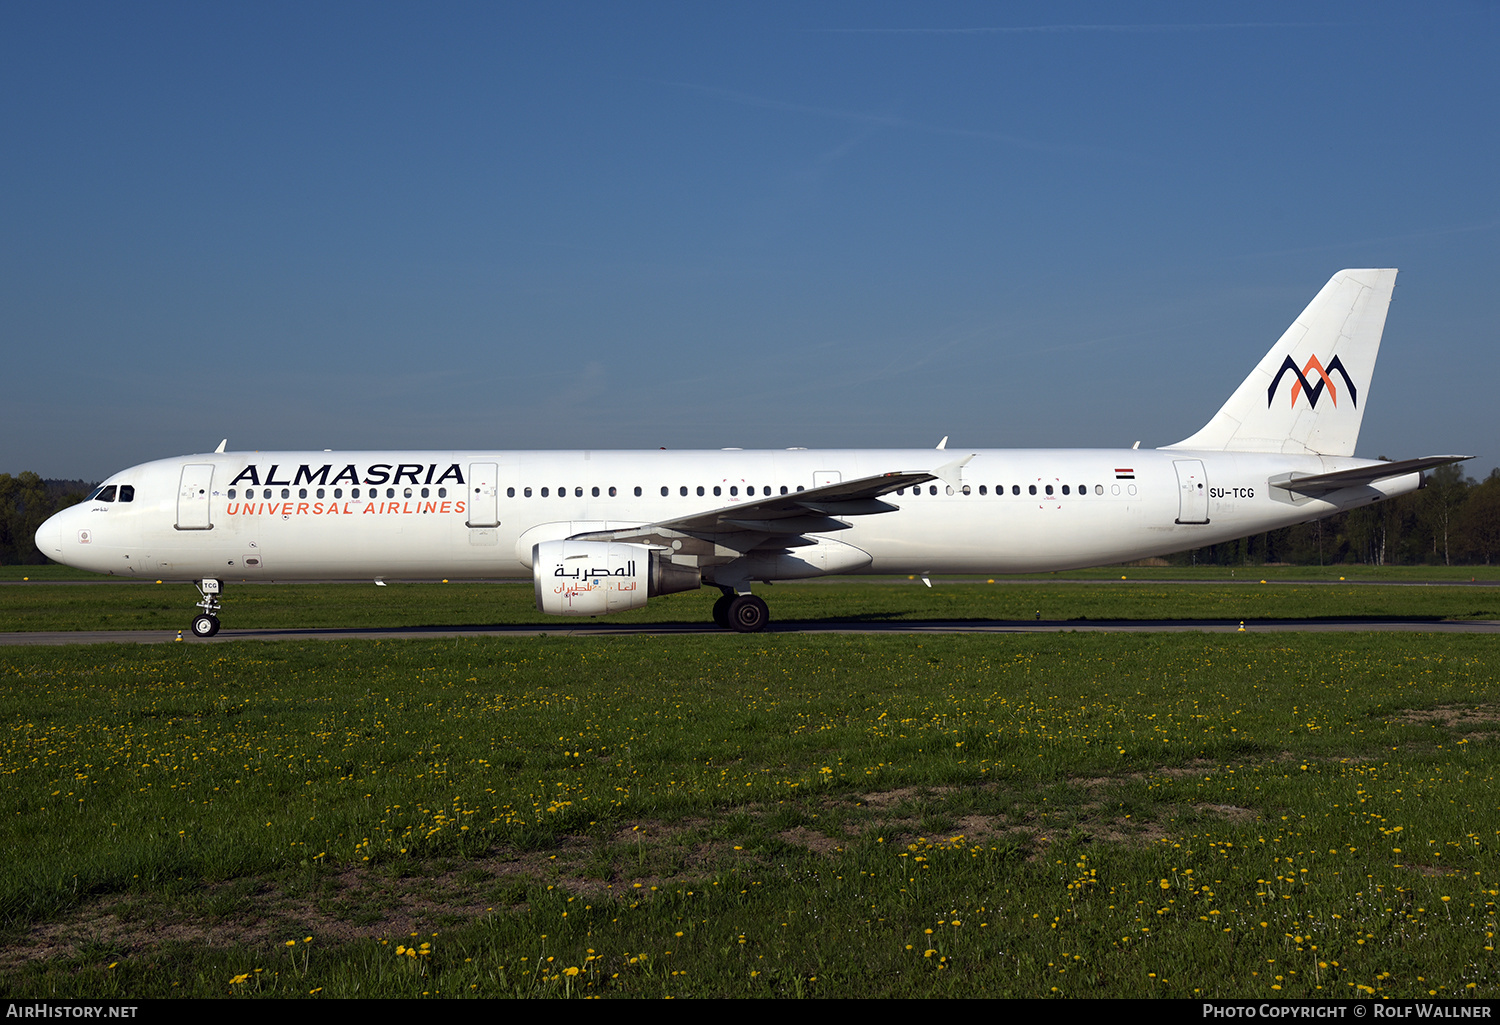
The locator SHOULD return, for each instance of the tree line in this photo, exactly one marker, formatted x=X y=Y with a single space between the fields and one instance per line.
x=26 y=500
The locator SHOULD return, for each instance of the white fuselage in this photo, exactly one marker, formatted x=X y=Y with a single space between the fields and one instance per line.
x=363 y=515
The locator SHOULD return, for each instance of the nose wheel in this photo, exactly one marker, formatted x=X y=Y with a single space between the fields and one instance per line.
x=206 y=623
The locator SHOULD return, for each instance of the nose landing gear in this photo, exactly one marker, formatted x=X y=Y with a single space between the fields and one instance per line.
x=206 y=624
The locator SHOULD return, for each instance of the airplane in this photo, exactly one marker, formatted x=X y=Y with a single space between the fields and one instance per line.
x=605 y=531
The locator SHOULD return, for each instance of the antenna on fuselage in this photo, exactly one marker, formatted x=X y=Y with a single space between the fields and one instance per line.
x=220 y=449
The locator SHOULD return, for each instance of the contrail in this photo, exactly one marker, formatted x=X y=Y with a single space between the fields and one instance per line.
x=1020 y=29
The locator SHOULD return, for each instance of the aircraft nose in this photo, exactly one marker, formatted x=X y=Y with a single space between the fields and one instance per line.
x=49 y=537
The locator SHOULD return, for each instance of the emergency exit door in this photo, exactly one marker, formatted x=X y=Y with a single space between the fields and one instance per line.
x=193 y=497
x=1192 y=491
x=484 y=495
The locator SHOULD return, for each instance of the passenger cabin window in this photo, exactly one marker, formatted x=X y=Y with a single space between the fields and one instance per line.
x=509 y=492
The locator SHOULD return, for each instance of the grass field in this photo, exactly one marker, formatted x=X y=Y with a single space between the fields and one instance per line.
x=69 y=606
x=1073 y=815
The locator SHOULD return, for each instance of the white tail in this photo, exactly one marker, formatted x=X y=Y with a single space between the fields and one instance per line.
x=1307 y=396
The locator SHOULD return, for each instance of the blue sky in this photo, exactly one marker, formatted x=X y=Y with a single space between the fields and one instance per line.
x=580 y=225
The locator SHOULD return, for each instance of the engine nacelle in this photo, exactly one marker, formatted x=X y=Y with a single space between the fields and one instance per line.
x=595 y=578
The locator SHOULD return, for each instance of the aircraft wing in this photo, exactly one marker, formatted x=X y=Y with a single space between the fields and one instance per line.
x=773 y=523
x=1321 y=482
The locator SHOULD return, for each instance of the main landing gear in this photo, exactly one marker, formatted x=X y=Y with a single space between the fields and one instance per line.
x=206 y=623
x=744 y=613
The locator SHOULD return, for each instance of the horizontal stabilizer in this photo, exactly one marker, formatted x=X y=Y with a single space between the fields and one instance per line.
x=1321 y=482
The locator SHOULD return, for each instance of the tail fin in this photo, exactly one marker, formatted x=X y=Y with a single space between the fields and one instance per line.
x=1307 y=396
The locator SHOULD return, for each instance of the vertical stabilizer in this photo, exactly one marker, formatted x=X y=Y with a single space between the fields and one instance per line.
x=1307 y=396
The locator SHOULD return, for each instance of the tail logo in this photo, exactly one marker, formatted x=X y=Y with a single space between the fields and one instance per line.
x=1324 y=379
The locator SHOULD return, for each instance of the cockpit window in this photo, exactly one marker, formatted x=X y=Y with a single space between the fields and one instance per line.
x=104 y=494
x=127 y=492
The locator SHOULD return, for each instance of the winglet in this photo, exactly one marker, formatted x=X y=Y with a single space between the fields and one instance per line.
x=952 y=473
x=220 y=449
